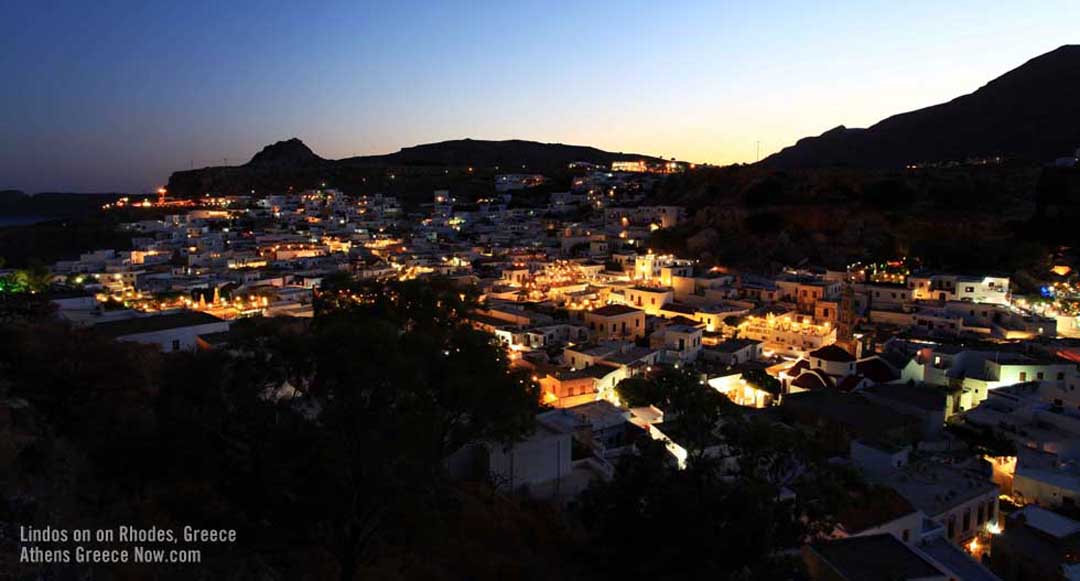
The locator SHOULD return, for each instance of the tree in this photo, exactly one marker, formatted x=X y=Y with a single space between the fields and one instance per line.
x=685 y=399
x=703 y=525
x=344 y=476
x=760 y=379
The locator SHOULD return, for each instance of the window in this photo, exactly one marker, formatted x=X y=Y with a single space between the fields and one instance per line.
x=906 y=535
x=969 y=289
x=967 y=520
x=176 y=345
x=979 y=516
x=990 y=510
x=1023 y=376
x=1061 y=376
x=1039 y=376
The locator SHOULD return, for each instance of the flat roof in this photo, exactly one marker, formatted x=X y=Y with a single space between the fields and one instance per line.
x=1047 y=521
x=860 y=414
x=876 y=557
x=733 y=345
x=154 y=323
x=922 y=396
x=874 y=507
x=948 y=554
x=936 y=488
x=679 y=308
x=652 y=289
x=489 y=320
x=601 y=413
x=614 y=310
x=598 y=371
x=630 y=356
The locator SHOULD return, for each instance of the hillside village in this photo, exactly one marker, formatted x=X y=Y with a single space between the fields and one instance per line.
x=905 y=375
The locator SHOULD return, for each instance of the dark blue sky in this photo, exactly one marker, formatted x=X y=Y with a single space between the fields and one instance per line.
x=108 y=95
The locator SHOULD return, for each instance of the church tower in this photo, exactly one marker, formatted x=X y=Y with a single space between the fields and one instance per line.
x=846 y=318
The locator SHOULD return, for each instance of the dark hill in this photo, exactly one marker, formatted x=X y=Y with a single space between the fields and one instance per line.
x=509 y=154
x=52 y=204
x=291 y=152
x=290 y=164
x=1030 y=113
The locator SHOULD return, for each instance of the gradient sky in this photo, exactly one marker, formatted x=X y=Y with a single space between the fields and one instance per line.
x=104 y=95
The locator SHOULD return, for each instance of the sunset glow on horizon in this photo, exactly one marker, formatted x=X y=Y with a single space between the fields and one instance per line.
x=115 y=97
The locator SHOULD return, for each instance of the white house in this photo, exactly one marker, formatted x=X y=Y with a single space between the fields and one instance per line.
x=170 y=332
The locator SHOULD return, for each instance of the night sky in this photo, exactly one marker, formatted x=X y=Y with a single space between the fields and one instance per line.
x=103 y=96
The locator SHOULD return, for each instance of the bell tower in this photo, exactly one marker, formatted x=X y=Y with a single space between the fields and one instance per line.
x=846 y=318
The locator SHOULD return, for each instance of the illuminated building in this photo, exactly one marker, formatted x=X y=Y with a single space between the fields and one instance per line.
x=661 y=268
x=635 y=166
x=649 y=299
x=950 y=287
x=510 y=182
x=786 y=332
x=741 y=392
x=616 y=322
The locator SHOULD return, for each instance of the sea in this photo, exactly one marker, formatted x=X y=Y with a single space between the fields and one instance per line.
x=22 y=220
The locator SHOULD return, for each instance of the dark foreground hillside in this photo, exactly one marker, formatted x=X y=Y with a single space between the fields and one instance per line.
x=322 y=443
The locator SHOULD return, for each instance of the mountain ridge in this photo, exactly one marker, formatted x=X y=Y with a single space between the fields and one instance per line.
x=1031 y=112
x=290 y=164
